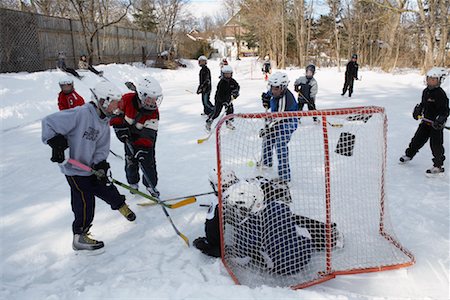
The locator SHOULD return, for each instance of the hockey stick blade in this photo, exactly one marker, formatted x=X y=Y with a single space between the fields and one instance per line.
x=181 y=203
x=335 y=125
x=199 y=141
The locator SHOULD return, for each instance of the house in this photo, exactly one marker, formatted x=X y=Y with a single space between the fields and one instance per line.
x=235 y=37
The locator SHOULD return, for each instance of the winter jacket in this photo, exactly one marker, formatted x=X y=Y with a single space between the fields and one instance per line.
x=87 y=134
x=204 y=80
x=351 y=71
x=142 y=123
x=434 y=104
x=71 y=100
x=83 y=65
x=225 y=89
x=307 y=87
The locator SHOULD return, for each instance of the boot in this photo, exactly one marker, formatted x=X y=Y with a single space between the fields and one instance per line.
x=83 y=241
x=405 y=159
x=208 y=125
x=153 y=191
x=127 y=213
x=134 y=186
x=435 y=170
x=230 y=126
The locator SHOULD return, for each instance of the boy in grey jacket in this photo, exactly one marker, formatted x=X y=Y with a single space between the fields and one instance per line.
x=85 y=131
x=306 y=87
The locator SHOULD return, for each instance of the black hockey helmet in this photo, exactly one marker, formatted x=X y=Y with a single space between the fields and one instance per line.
x=310 y=71
x=355 y=56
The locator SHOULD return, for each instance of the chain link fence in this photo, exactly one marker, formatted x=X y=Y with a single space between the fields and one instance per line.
x=31 y=42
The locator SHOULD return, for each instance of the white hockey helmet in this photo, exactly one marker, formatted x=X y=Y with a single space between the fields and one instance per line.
x=65 y=80
x=247 y=197
x=266 y=57
x=149 y=92
x=202 y=58
x=437 y=72
x=228 y=178
x=103 y=93
x=279 y=79
x=227 y=69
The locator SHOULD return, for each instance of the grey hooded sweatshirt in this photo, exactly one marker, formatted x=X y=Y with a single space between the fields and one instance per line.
x=87 y=134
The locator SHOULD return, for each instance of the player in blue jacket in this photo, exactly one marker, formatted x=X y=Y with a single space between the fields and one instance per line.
x=278 y=132
x=266 y=233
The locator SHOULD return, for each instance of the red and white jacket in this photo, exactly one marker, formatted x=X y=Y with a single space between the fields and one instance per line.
x=143 y=123
x=71 y=100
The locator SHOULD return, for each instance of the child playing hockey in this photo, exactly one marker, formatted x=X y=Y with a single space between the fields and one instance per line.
x=227 y=89
x=83 y=64
x=306 y=87
x=137 y=128
x=204 y=86
x=85 y=131
x=61 y=64
x=433 y=110
x=266 y=68
x=277 y=134
x=351 y=73
x=68 y=98
x=252 y=203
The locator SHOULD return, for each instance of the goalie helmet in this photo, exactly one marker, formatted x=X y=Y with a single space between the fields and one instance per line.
x=228 y=178
x=246 y=196
x=149 y=92
x=103 y=94
x=279 y=79
x=437 y=72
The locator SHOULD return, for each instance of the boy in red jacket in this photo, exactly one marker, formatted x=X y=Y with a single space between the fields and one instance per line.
x=68 y=98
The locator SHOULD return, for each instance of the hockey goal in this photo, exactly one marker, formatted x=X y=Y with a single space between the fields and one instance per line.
x=306 y=198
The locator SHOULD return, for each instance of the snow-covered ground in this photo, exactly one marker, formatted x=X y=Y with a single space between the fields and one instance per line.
x=145 y=259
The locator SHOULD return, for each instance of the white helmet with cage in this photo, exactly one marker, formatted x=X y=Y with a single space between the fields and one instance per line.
x=149 y=92
x=279 y=79
x=103 y=93
x=438 y=72
x=228 y=178
x=247 y=197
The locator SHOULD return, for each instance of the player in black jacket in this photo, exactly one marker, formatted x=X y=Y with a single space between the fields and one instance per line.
x=227 y=89
x=433 y=110
x=204 y=86
x=351 y=73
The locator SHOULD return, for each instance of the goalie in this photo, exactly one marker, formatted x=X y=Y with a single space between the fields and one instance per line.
x=267 y=235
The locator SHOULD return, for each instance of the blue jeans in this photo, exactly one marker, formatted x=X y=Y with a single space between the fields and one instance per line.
x=208 y=107
x=278 y=139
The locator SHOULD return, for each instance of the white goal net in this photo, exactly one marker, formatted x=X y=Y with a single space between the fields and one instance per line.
x=302 y=196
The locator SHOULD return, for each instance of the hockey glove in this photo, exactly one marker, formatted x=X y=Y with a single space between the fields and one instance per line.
x=140 y=154
x=122 y=133
x=417 y=112
x=58 y=144
x=234 y=94
x=199 y=90
x=265 y=100
x=130 y=86
x=226 y=105
x=296 y=88
x=438 y=124
x=102 y=168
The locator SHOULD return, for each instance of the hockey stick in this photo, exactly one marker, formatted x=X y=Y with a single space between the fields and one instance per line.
x=199 y=141
x=191 y=92
x=186 y=200
x=125 y=186
x=116 y=155
x=314 y=106
x=163 y=205
x=431 y=122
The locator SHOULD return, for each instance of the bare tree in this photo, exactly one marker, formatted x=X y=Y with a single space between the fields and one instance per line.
x=94 y=16
x=169 y=14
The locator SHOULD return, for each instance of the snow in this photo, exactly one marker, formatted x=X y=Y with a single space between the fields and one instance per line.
x=146 y=259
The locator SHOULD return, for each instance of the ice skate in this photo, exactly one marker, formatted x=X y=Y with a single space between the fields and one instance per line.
x=127 y=212
x=435 y=171
x=404 y=159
